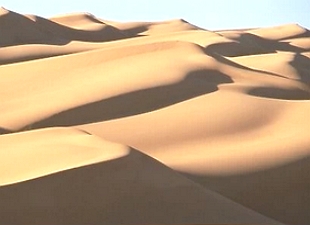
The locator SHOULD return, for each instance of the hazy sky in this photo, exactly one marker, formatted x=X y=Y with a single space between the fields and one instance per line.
x=216 y=14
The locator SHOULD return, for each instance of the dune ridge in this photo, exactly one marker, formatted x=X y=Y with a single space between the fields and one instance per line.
x=118 y=175
x=104 y=122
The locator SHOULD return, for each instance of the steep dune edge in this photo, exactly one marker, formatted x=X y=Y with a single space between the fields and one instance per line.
x=257 y=137
x=77 y=20
x=32 y=154
x=93 y=79
x=134 y=28
x=287 y=64
x=21 y=53
x=116 y=179
x=22 y=29
x=285 y=38
x=281 y=32
x=77 y=32
x=189 y=72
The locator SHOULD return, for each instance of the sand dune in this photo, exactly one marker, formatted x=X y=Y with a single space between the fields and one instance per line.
x=75 y=148
x=122 y=182
x=281 y=32
x=104 y=122
x=38 y=30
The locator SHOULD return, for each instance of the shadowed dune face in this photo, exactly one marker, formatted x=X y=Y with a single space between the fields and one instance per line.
x=4 y=131
x=133 y=189
x=284 y=94
x=133 y=103
x=250 y=44
x=103 y=33
x=281 y=32
x=22 y=30
x=287 y=184
x=218 y=123
x=302 y=65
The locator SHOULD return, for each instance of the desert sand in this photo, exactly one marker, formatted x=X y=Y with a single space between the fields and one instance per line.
x=137 y=123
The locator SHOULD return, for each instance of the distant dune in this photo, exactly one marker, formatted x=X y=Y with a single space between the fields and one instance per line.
x=137 y=123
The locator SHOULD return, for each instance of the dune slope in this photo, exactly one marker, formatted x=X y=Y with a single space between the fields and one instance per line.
x=77 y=178
x=105 y=122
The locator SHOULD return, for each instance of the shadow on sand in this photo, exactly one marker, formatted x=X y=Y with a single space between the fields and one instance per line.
x=301 y=64
x=52 y=33
x=282 y=193
x=131 y=190
x=250 y=44
x=4 y=131
x=195 y=84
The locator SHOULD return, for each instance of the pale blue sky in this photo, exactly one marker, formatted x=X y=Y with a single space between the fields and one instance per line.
x=215 y=14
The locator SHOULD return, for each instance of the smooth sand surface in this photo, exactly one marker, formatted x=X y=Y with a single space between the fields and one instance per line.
x=105 y=122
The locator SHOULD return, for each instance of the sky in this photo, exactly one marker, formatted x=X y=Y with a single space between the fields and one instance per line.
x=208 y=14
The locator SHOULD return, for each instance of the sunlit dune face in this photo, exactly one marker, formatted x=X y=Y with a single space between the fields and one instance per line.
x=152 y=122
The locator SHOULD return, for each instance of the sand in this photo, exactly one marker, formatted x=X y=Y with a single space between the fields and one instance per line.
x=104 y=122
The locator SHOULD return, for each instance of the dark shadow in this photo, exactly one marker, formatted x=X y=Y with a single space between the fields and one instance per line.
x=301 y=64
x=237 y=49
x=278 y=93
x=250 y=44
x=282 y=193
x=21 y=30
x=306 y=33
x=222 y=59
x=131 y=190
x=226 y=61
x=107 y=33
x=4 y=131
x=195 y=84
x=136 y=30
x=275 y=45
x=44 y=31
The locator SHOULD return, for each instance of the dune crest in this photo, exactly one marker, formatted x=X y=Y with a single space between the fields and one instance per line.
x=102 y=176
x=106 y=122
x=75 y=147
